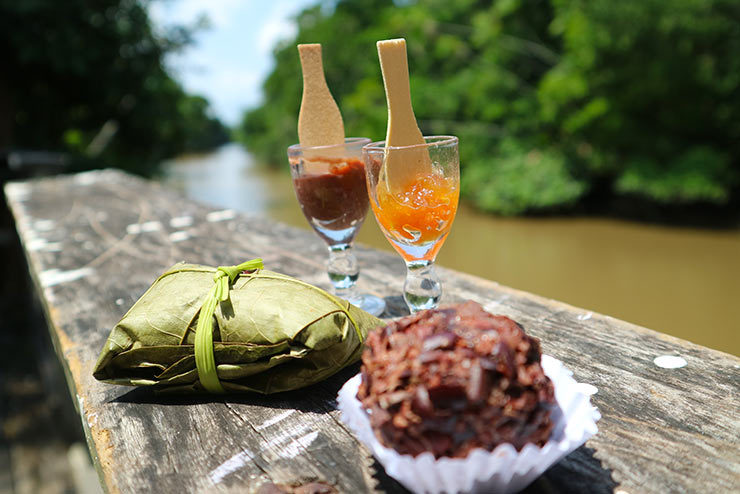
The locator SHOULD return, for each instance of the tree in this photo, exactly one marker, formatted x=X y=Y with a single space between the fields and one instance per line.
x=552 y=99
x=88 y=78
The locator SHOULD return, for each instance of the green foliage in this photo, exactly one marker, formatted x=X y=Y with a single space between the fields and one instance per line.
x=697 y=175
x=654 y=88
x=541 y=176
x=201 y=130
x=88 y=78
x=548 y=97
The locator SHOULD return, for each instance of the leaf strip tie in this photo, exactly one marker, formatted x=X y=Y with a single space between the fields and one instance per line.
x=205 y=361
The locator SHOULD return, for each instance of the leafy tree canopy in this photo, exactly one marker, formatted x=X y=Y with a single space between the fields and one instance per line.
x=88 y=78
x=551 y=99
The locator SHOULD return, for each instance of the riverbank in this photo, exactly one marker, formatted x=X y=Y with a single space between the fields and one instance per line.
x=677 y=280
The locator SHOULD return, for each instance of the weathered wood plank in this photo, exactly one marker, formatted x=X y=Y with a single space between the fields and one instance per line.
x=95 y=242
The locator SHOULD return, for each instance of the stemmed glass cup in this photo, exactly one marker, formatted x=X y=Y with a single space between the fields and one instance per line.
x=415 y=205
x=330 y=184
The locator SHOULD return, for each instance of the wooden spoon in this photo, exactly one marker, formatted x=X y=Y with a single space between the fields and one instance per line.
x=400 y=166
x=319 y=120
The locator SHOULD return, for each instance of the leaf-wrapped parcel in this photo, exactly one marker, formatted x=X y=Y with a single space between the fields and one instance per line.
x=271 y=333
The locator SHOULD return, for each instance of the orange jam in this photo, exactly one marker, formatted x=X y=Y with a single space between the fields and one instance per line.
x=421 y=212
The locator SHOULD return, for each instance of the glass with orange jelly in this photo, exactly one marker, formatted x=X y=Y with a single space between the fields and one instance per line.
x=415 y=207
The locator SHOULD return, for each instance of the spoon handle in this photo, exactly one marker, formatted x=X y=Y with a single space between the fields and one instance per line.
x=319 y=121
x=400 y=165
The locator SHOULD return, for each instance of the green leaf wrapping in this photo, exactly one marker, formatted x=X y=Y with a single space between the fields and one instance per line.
x=271 y=333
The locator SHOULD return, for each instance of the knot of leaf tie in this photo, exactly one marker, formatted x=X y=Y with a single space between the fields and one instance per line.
x=205 y=362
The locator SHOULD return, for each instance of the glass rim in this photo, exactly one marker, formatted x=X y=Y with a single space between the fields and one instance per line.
x=347 y=140
x=441 y=140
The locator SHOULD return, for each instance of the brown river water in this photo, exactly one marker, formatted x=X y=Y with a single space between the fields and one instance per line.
x=680 y=281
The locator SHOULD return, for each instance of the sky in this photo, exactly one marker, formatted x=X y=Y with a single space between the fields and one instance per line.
x=228 y=61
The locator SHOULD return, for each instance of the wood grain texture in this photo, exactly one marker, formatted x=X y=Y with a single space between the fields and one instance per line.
x=96 y=241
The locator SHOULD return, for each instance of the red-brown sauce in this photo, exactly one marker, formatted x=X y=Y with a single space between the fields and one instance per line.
x=336 y=200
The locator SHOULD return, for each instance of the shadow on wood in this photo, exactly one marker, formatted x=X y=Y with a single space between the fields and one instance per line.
x=317 y=398
x=386 y=483
x=395 y=306
x=580 y=471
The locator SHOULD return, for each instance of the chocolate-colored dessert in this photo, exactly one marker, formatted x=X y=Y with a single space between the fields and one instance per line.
x=334 y=200
x=453 y=379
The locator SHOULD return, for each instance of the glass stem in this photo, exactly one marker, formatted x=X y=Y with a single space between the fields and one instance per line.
x=422 y=289
x=343 y=270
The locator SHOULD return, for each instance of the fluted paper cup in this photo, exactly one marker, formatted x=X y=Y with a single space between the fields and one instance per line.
x=503 y=470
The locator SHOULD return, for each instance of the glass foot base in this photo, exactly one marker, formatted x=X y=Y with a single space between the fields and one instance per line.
x=369 y=303
x=422 y=289
x=418 y=303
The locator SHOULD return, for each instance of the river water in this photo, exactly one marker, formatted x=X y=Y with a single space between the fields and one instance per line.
x=680 y=281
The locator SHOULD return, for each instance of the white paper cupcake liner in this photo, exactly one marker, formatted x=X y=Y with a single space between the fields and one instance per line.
x=502 y=470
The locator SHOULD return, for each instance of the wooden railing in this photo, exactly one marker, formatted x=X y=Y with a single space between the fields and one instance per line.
x=96 y=241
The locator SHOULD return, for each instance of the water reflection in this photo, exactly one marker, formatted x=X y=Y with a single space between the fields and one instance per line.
x=680 y=281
